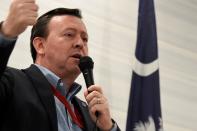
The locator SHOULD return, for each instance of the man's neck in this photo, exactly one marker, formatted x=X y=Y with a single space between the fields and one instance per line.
x=67 y=78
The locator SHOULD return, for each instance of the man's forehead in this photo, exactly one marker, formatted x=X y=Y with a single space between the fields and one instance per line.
x=67 y=21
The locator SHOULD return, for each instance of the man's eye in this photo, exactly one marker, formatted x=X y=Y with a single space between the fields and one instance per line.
x=69 y=34
x=85 y=39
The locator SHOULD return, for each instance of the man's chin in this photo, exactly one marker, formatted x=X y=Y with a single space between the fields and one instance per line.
x=75 y=69
x=73 y=66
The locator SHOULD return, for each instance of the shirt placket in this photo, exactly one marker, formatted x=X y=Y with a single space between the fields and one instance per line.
x=61 y=88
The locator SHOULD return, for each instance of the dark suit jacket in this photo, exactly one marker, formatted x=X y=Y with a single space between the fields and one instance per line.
x=26 y=100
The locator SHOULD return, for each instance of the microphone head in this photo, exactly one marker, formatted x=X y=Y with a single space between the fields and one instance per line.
x=86 y=62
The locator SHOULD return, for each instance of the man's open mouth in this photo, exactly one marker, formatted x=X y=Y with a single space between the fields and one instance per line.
x=77 y=56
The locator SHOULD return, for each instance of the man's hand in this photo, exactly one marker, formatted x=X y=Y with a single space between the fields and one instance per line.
x=22 y=13
x=97 y=102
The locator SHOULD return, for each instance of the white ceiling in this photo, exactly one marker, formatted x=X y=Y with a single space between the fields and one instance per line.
x=112 y=29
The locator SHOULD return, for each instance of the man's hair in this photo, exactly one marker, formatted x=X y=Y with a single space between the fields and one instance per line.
x=40 y=29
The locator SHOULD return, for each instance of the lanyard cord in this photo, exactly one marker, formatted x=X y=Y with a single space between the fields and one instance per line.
x=67 y=106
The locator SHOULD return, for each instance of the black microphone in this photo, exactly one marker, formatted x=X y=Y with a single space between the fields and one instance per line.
x=86 y=65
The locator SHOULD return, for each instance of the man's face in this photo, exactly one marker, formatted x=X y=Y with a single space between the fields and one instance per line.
x=65 y=44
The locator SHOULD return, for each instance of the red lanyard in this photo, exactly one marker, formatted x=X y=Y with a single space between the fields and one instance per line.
x=67 y=106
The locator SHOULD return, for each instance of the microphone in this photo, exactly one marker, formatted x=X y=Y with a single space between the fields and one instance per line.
x=86 y=65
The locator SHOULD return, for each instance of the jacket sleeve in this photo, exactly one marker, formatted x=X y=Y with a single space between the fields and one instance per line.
x=6 y=47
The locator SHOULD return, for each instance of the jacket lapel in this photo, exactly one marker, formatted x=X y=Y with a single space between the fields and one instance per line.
x=83 y=109
x=43 y=88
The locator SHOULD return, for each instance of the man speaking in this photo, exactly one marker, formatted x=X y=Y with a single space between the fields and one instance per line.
x=43 y=96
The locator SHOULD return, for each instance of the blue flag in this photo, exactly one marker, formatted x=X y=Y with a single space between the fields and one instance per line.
x=144 y=111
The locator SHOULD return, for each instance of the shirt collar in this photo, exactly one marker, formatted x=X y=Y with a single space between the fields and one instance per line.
x=55 y=81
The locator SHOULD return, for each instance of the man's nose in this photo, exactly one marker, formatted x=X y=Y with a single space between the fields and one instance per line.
x=79 y=43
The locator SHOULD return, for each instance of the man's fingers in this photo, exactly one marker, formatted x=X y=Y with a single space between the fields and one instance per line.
x=24 y=1
x=22 y=13
x=95 y=88
x=30 y=13
x=28 y=18
x=30 y=1
x=30 y=6
x=31 y=21
x=25 y=4
x=93 y=94
x=96 y=101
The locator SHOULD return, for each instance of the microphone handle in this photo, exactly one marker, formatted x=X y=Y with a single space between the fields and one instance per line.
x=89 y=80
x=88 y=76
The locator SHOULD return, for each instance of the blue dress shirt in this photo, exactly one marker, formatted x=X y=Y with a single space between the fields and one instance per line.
x=65 y=122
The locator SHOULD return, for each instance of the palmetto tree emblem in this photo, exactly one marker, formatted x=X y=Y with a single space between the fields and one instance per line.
x=147 y=126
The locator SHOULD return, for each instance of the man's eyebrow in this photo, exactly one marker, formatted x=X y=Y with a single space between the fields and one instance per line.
x=73 y=29
x=70 y=28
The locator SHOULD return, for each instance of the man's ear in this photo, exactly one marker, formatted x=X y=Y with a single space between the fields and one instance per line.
x=38 y=44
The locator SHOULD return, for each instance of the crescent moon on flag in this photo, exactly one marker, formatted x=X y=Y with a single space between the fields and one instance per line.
x=145 y=69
